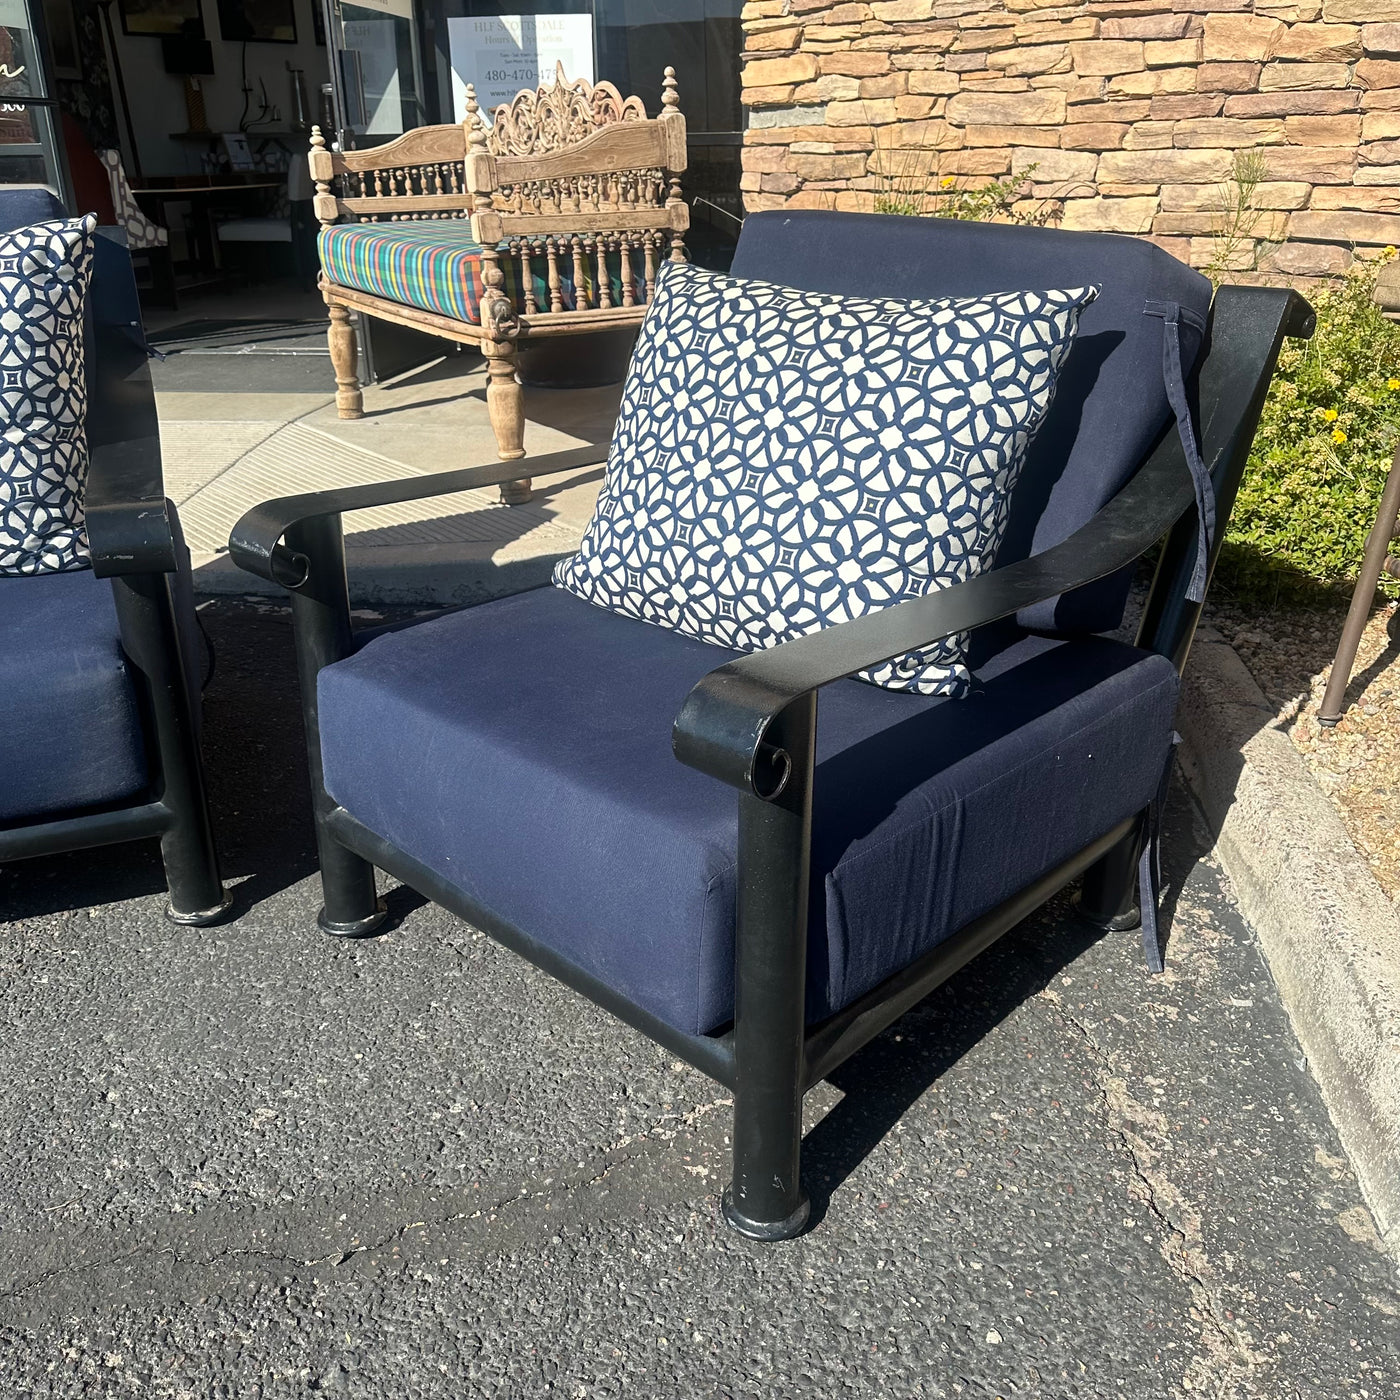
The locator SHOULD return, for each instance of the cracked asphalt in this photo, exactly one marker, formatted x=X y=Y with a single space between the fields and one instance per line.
x=255 y=1162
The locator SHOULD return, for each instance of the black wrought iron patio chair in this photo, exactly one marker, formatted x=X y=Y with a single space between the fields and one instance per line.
x=665 y=826
x=99 y=667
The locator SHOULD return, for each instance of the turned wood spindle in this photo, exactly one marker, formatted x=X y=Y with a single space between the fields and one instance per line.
x=580 y=276
x=527 y=278
x=556 y=296
x=604 y=290
x=629 y=290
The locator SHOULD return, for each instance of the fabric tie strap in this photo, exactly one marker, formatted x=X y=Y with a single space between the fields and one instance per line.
x=1150 y=864
x=1174 y=377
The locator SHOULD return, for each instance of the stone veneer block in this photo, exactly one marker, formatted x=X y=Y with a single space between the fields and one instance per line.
x=1149 y=136
x=1361 y=11
x=1319 y=165
x=1287 y=104
x=1380 y=126
x=1329 y=227
x=1168 y=53
x=1147 y=27
x=1014 y=109
x=1094 y=136
x=1112 y=215
x=1231 y=38
x=1380 y=38
x=1272 y=194
x=1166 y=167
x=1320 y=43
x=1278 y=77
x=1378 y=73
x=1344 y=130
x=1227 y=77
x=1374 y=199
x=1176 y=106
x=1308 y=260
x=1100 y=58
x=1237 y=132
x=1055 y=167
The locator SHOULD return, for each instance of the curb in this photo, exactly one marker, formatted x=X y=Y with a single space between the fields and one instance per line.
x=1331 y=937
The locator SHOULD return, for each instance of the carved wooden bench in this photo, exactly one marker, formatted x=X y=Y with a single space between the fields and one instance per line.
x=551 y=222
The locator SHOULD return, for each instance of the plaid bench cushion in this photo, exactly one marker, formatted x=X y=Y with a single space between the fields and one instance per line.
x=435 y=265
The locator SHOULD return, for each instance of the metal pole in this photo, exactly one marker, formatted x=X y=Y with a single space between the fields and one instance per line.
x=1372 y=566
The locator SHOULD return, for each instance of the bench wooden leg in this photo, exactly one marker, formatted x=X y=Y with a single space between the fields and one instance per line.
x=345 y=352
x=505 y=402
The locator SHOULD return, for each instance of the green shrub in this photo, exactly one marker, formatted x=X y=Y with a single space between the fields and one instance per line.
x=1330 y=426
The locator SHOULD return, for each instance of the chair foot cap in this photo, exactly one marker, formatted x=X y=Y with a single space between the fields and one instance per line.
x=355 y=928
x=201 y=918
x=765 y=1231
x=1329 y=721
x=1119 y=923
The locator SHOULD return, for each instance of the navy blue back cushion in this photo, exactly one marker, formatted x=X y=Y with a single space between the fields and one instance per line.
x=22 y=205
x=1110 y=403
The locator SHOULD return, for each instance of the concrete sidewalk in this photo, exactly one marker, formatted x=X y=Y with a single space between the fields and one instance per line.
x=254 y=1161
x=226 y=451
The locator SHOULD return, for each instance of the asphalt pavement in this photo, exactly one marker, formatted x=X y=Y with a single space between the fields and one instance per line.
x=253 y=1161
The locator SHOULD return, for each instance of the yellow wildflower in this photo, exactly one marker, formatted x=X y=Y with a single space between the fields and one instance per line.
x=1392 y=383
x=947 y=180
x=1329 y=415
x=1338 y=435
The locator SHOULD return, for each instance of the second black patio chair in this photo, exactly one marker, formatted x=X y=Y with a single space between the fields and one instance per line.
x=99 y=666
x=664 y=824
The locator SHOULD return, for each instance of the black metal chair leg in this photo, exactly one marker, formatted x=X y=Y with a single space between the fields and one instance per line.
x=321 y=620
x=766 y=1201
x=146 y=613
x=1108 y=898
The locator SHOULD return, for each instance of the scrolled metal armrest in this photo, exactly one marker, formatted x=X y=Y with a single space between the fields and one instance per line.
x=255 y=541
x=721 y=728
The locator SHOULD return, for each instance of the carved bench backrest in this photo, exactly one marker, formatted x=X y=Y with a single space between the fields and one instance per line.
x=565 y=175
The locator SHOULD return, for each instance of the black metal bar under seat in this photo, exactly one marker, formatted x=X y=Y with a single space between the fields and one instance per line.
x=83 y=831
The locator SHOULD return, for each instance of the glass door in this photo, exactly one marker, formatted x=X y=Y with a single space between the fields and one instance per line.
x=376 y=72
x=31 y=152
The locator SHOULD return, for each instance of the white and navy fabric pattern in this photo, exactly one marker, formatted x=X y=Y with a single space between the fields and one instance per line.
x=784 y=461
x=44 y=273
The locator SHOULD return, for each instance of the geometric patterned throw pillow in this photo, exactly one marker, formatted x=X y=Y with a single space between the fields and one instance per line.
x=785 y=461
x=44 y=273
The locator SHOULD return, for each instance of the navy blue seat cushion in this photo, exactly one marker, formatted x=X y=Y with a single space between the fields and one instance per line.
x=522 y=751
x=71 y=736
x=1110 y=404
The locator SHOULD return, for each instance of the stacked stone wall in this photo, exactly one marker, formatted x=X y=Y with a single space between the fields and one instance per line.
x=1127 y=114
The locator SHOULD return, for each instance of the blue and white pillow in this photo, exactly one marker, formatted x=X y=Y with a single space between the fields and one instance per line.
x=784 y=461
x=44 y=274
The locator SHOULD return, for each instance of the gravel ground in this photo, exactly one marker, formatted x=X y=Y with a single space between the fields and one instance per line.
x=1357 y=763
x=254 y=1162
